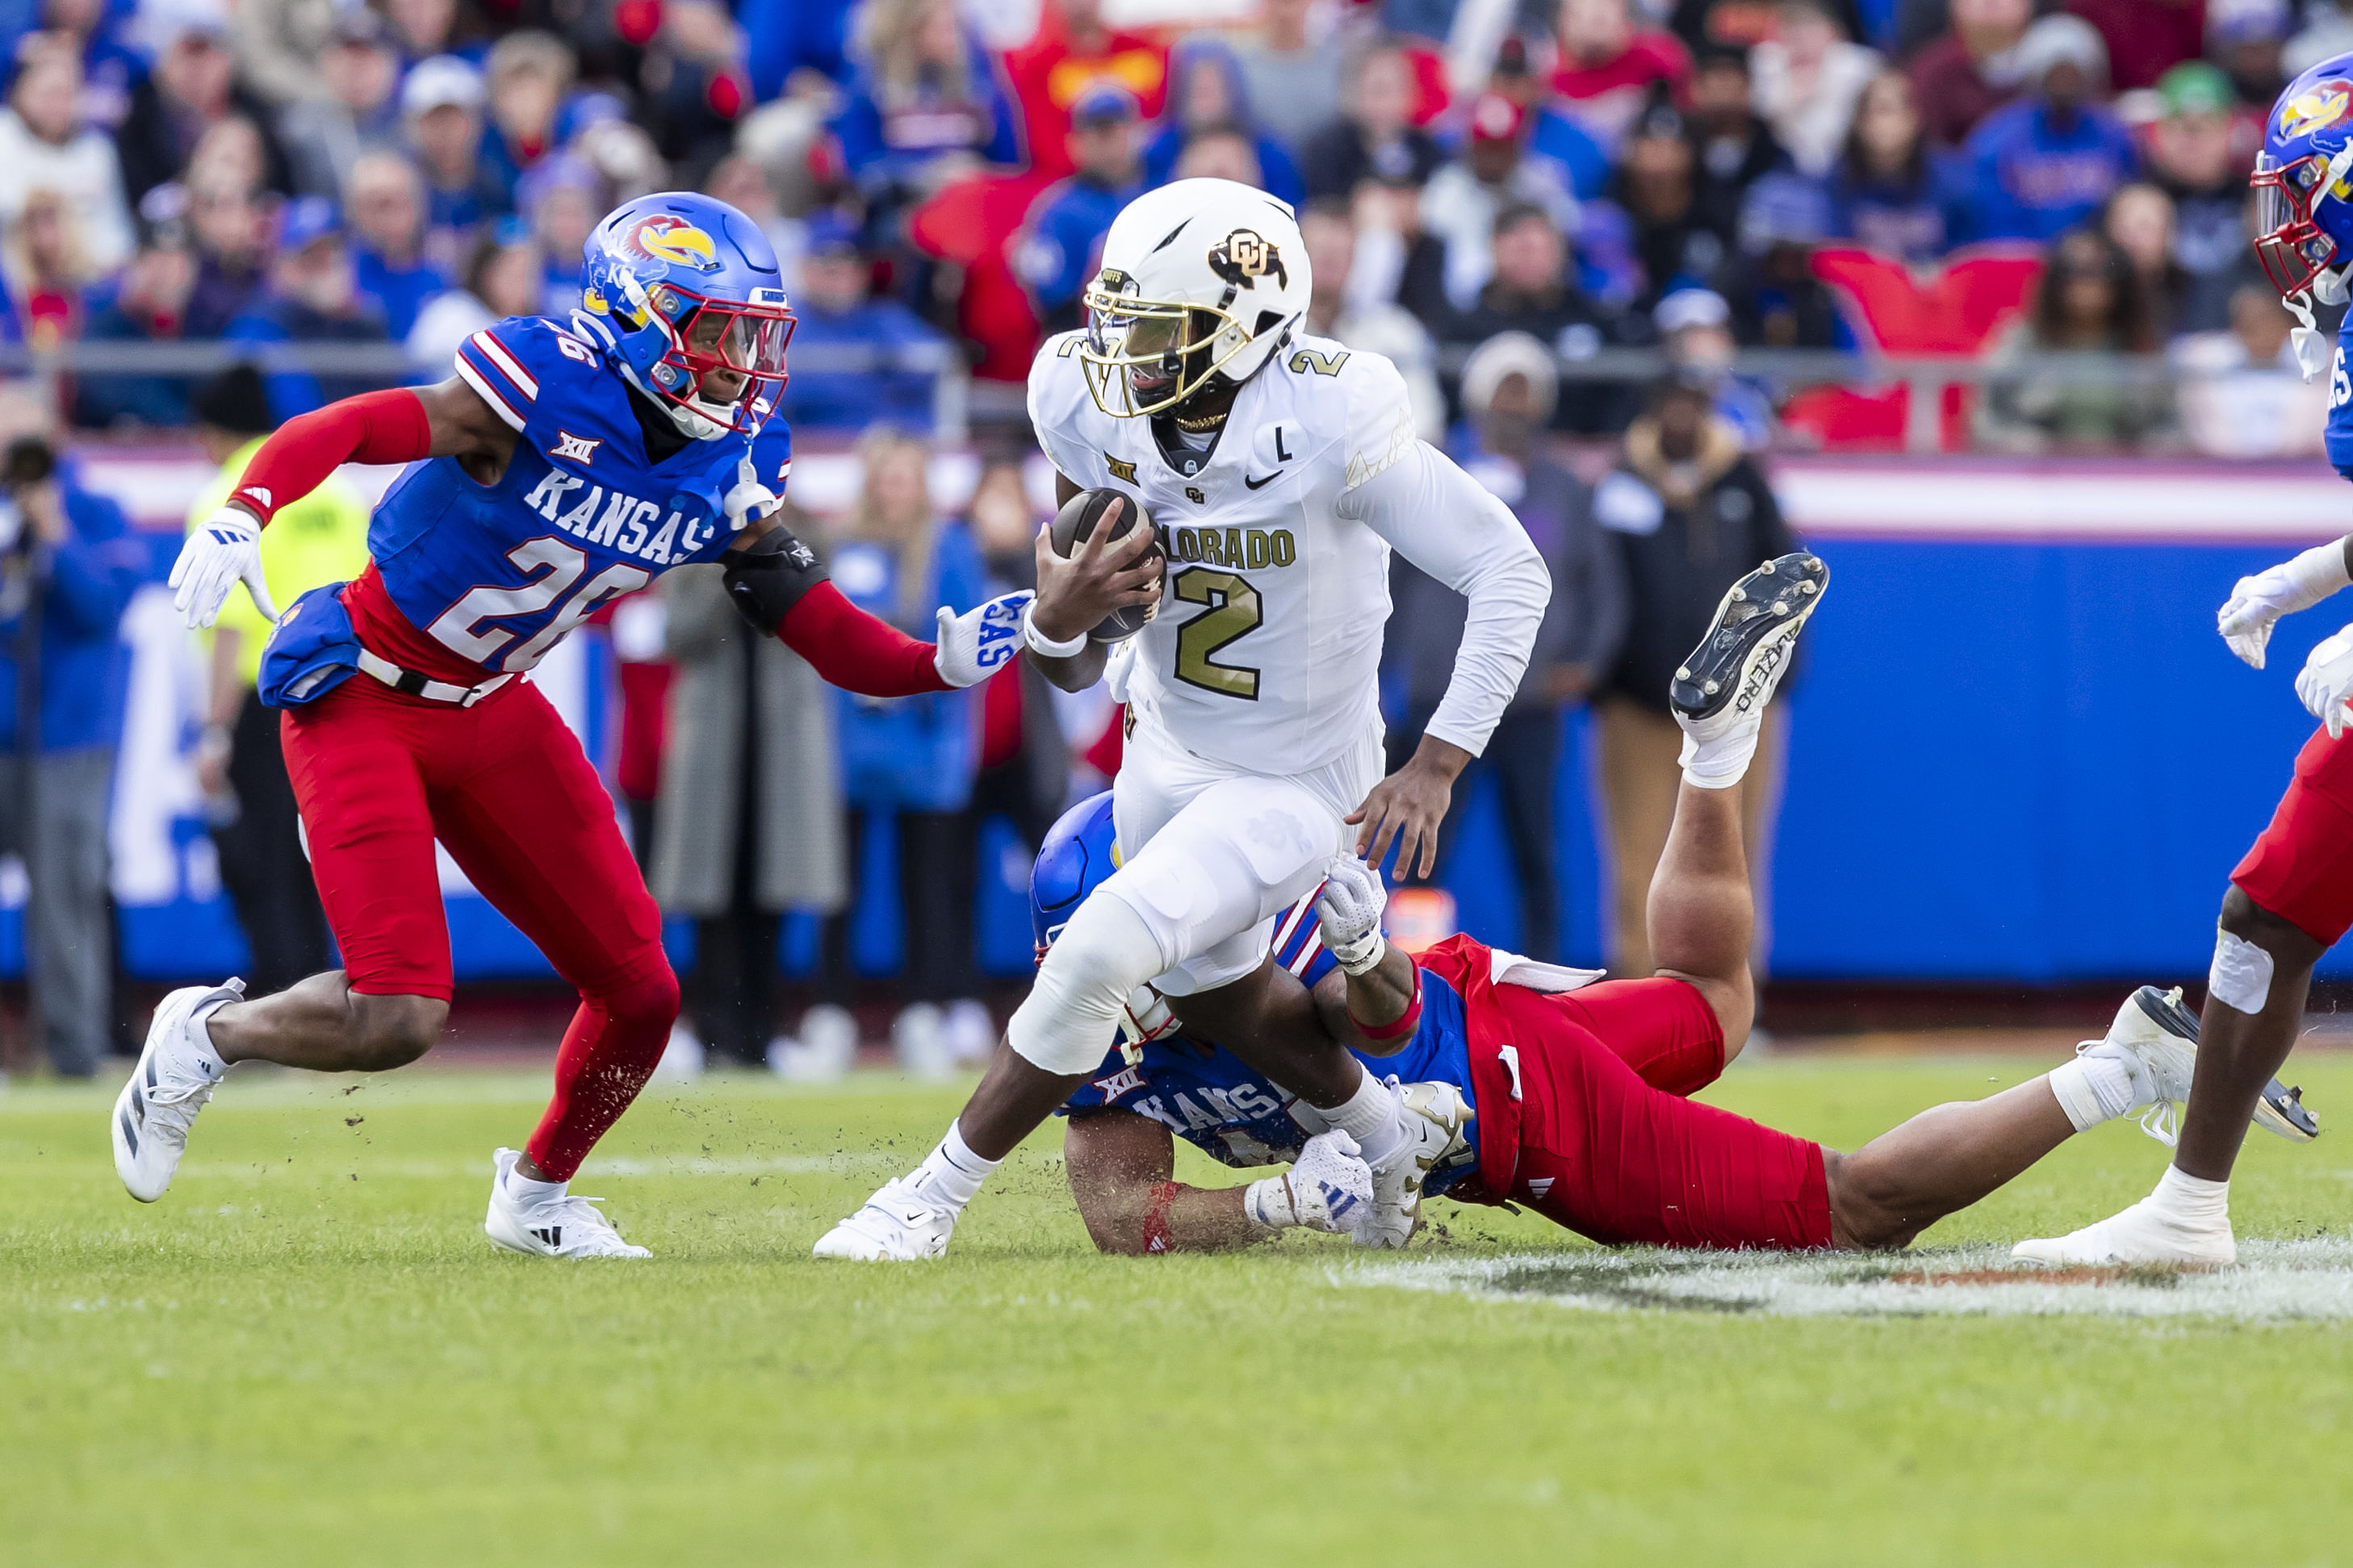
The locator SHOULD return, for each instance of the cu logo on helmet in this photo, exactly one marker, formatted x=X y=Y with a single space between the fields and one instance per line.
x=1244 y=256
x=676 y=241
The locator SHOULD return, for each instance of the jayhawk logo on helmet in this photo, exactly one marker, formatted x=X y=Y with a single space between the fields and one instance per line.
x=666 y=237
x=2323 y=103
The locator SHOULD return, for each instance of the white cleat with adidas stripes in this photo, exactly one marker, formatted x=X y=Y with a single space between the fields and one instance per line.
x=545 y=1220
x=173 y=1080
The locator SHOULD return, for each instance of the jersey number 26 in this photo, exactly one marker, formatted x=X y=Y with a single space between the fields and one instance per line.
x=555 y=567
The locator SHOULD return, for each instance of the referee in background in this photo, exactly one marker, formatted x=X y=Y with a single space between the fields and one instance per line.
x=322 y=538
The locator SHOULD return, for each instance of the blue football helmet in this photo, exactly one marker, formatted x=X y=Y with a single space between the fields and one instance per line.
x=688 y=294
x=2304 y=211
x=1078 y=857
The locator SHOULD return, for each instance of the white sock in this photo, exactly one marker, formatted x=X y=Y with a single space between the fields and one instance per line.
x=2093 y=1090
x=2192 y=1200
x=951 y=1174
x=1722 y=763
x=199 y=1036
x=529 y=1193
x=1370 y=1117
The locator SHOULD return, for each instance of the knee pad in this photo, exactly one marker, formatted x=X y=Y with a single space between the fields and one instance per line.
x=1073 y=1011
x=650 y=1000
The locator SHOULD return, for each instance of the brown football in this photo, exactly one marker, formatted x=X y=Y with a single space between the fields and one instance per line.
x=1075 y=524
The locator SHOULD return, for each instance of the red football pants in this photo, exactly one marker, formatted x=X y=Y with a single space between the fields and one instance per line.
x=506 y=789
x=1616 y=1159
x=2301 y=869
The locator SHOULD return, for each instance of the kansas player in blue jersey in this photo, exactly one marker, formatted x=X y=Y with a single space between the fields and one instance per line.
x=564 y=464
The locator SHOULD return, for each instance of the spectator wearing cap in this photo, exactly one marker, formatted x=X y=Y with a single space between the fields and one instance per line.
x=2089 y=302
x=1688 y=512
x=1734 y=149
x=1293 y=77
x=1073 y=51
x=1676 y=242
x=2042 y=166
x=856 y=360
x=1970 y=70
x=1777 y=301
x=1608 y=71
x=44 y=146
x=925 y=105
x=1057 y=251
x=319 y=539
x=326 y=132
x=385 y=211
x=1888 y=192
x=1533 y=292
x=1327 y=225
x=149 y=306
x=691 y=85
x=2243 y=394
x=562 y=198
x=502 y=277
x=1460 y=202
x=2145 y=39
x=1695 y=328
x=525 y=82
x=312 y=297
x=1509 y=386
x=1375 y=137
x=1207 y=94
x=1808 y=76
x=2191 y=160
x=191 y=89
x=2244 y=37
x=441 y=119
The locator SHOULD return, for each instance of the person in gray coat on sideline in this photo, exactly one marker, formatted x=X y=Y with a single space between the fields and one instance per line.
x=750 y=822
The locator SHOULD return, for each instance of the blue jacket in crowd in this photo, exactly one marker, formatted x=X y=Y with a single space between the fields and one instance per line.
x=781 y=36
x=913 y=754
x=1585 y=164
x=292 y=390
x=851 y=369
x=2028 y=177
x=1056 y=254
x=884 y=146
x=90 y=577
x=400 y=291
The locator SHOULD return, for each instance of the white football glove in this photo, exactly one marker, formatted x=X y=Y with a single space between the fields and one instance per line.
x=748 y=501
x=222 y=552
x=2327 y=681
x=1327 y=1188
x=975 y=645
x=2246 y=621
x=1349 y=913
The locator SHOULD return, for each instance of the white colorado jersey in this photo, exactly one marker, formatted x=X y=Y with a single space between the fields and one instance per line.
x=1266 y=650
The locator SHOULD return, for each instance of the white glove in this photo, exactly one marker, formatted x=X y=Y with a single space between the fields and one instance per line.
x=2327 y=681
x=749 y=500
x=1349 y=913
x=223 y=551
x=975 y=645
x=2246 y=621
x=1327 y=1188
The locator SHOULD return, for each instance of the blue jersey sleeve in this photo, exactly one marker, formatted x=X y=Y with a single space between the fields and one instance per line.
x=512 y=364
x=1299 y=942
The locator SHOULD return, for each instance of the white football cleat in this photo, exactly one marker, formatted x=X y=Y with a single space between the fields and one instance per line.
x=2154 y=1025
x=2145 y=1233
x=1436 y=1117
x=560 y=1227
x=173 y=1081
x=895 y=1226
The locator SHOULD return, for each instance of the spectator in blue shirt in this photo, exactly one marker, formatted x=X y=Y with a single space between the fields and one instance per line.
x=312 y=297
x=441 y=116
x=1887 y=192
x=386 y=208
x=149 y=305
x=2042 y=166
x=1206 y=93
x=925 y=105
x=74 y=553
x=855 y=359
x=1059 y=245
x=561 y=196
x=786 y=39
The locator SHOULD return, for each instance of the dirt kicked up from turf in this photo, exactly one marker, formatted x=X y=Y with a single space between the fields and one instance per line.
x=2274 y=1281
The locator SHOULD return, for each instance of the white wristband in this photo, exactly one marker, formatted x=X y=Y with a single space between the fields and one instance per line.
x=1041 y=643
x=1363 y=955
x=1267 y=1202
x=2318 y=573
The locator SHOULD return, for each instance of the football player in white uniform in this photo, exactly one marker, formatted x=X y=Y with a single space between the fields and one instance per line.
x=1279 y=470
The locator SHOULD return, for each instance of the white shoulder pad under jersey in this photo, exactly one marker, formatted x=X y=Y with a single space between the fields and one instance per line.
x=1266 y=649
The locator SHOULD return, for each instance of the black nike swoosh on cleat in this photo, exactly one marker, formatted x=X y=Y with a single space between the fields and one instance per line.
x=1254 y=484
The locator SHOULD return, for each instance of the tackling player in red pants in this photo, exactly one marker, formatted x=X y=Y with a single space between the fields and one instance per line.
x=563 y=465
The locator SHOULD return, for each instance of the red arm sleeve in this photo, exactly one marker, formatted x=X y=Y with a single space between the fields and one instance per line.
x=854 y=651
x=373 y=428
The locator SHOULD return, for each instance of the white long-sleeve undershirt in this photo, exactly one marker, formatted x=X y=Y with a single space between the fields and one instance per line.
x=1444 y=521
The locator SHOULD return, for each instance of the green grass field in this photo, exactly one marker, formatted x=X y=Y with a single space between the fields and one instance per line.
x=309 y=1354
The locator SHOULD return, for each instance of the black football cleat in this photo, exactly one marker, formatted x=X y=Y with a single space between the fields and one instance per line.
x=2279 y=1112
x=1733 y=671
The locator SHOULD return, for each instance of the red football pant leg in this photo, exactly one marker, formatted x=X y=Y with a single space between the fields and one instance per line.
x=532 y=827
x=1612 y=1158
x=359 y=758
x=2300 y=868
x=1661 y=1027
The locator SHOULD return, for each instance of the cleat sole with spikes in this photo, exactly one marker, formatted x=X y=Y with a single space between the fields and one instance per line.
x=1754 y=629
x=2280 y=1111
